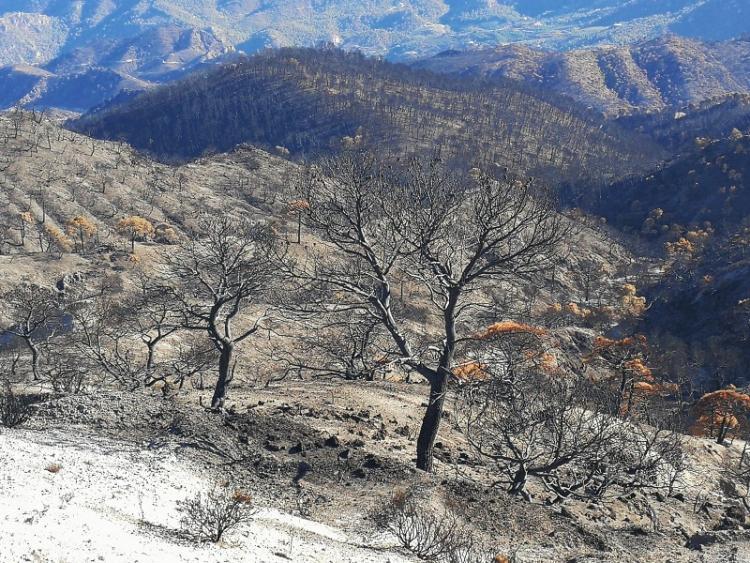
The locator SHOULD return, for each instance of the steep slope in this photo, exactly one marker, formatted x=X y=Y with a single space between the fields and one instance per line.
x=109 y=497
x=35 y=87
x=670 y=71
x=56 y=175
x=700 y=313
x=694 y=212
x=88 y=76
x=315 y=100
x=29 y=38
x=19 y=82
x=708 y=184
x=156 y=54
x=678 y=129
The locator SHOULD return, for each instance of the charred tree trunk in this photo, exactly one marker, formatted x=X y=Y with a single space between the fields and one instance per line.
x=225 y=376
x=34 y=358
x=518 y=486
x=438 y=386
x=431 y=423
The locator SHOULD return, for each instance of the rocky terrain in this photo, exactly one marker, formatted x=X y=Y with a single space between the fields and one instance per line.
x=76 y=494
x=318 y=459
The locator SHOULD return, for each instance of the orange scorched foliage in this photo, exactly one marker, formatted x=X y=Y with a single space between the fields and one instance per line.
x=298 y=205
x=470 y=371
x=602 y=343
x=719 y=412
x=637 y=367
x=510 y=327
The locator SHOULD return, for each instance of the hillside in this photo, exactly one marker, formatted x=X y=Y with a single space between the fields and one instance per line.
x=336 y=302
x=707 y=184
x=693 y=212
x=382 y=27
x=663 y=73
x=88 y=76
x=138 y=455
x=677 y=129
x=114 y=518
x=312 y=101
x=322 y=457
x=153 y=40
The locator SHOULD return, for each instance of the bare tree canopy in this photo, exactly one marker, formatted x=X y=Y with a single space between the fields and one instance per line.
x=226 y=268
x=452 y=236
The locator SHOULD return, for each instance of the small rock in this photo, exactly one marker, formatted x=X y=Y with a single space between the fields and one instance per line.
x=333 y=442
x=273 y=446
x=698 y=540
x=302 y=470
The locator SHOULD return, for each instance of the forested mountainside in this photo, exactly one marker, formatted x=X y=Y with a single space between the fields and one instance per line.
x=313 y=101
x=694 y=213
x=677 y=129
x=706 y=185
x=667 y=72
x=699 y=312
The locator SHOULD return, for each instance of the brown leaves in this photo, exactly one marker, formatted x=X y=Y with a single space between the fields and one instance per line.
x=510 y=327
x=721 y=411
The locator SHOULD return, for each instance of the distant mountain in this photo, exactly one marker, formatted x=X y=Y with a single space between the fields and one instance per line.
x=312 y=101
x=33 y=86
x=397 y=28
x=651 y=76
x=93 y=74
x=153 y=39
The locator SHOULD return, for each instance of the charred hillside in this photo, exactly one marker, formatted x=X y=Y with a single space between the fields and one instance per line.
x=707 y=185
x=315 y=101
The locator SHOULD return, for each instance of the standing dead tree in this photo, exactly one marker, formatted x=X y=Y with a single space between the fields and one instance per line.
x=154 y=314
x=103 y=336
x=452 y=237
x=35 y=316
x=224 y=270
x=532 y=427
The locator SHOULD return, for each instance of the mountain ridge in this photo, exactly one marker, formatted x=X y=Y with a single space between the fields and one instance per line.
x=308 y=101
x=158 y=40
x=670 y=71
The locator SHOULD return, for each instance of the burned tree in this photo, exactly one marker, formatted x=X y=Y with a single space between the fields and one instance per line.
x=531 y=427
x=103 y=336
x=226 y=269
x=35 y=316
x=154 y=315
x=451 y=236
